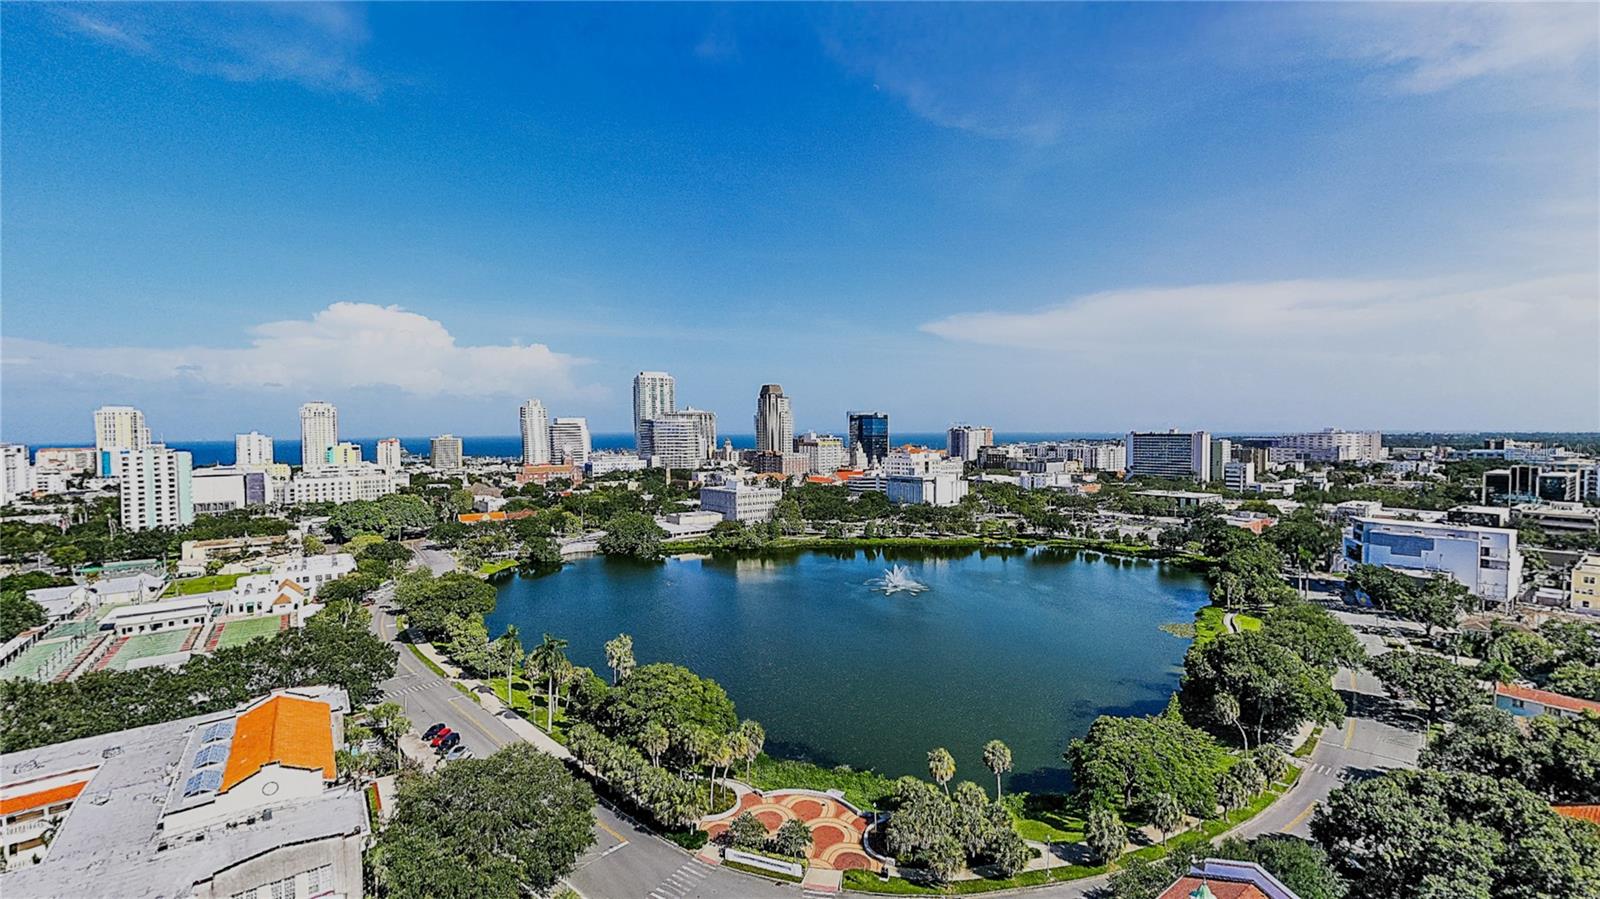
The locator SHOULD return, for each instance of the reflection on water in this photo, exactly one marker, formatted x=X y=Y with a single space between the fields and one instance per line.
x=1024 y=646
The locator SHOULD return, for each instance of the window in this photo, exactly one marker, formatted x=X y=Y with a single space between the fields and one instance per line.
x=319 y=880
x=282 y=889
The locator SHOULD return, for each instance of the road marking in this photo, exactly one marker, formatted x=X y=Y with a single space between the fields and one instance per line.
x=1299 y=818
x=613 y=849
x=493 y=740
x=612 y=832
x=695 y=871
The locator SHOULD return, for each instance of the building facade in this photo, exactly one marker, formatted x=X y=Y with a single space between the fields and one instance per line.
x=155 y=487
x=118 y=428
x=224 y=488
x=389 y=454
x=535 y=424
x=964 y=442
x=16 y=473
x=674 y=441
x=1484 y=560
x=1583 y=591
x=252 y=449
x=319 y=431
x=569 y=441
x=825 y=453
x=774 y=421
x=738 y=501
x=1334 y=445
x=340 y=485
x=1169 y=454
x=444 y=452
x=654 y=395
x=870 y=431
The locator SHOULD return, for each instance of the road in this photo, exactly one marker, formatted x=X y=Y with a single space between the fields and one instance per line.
x=1373 y=738
x=626 y=862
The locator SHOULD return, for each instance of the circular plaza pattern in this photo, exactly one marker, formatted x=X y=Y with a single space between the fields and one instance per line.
x=836 y=829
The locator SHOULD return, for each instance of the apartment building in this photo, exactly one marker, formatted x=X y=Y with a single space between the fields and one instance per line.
x=1485 y=560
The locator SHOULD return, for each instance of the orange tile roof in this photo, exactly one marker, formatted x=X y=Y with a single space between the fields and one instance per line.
x=1222 y=889
x=1590 y=813
x=41 y=799
x=1547 y=698
x=294 y=732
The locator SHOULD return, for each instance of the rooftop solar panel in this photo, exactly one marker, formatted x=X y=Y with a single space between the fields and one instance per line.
x=222 y=730
x=203 y=782
x=215 y=754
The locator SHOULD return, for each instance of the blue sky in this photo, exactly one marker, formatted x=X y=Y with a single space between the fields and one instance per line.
x=1040 y=217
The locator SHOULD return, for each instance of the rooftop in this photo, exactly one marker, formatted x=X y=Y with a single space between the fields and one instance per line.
x=1547 y=698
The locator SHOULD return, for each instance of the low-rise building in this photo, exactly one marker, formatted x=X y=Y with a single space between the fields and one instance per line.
x=738 y=501
x=1484 y=560
x=544 y=474
x=1219 y=878
x=1184 y=499
x=1527 y=702
x=242 y=803
x=1583 y=590
x=178 y=613
x=605 y=463
x=341 y=485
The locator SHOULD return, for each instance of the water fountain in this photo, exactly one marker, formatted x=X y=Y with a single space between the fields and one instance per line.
x=898 y=580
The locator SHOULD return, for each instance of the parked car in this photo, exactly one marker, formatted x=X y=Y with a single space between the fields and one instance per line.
x=433 y=731
x=459 y=752
x=443 y=735
x=448 y=742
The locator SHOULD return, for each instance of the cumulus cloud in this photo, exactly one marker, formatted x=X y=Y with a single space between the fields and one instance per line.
x=345 y=346
x=1400 y=346
x=315 y=45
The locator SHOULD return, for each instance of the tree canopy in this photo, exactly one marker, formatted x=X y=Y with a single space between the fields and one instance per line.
x=1274 y=688
x=633 y=534
x=430 y=600
x=1127 y=763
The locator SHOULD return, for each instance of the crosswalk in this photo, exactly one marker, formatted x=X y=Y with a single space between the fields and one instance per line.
x=412 y=687
x=1325 y=769
x=680 y=883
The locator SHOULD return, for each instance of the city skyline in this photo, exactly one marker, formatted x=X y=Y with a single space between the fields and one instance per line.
x=1236 y=217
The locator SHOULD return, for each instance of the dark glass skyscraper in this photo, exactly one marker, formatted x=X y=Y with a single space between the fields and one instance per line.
x=870 y=430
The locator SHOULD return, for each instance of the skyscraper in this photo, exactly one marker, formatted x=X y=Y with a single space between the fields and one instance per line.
x=535 y=433
x=252 y=450
x=774 y=421
x=654 y=394
x=155 y=486
x=319 y=431
x=569 y=440
x=389 y=454
x=118 y=428
x=445 y=452
x=964 y=441
x=870 y=431
x=1169 y=454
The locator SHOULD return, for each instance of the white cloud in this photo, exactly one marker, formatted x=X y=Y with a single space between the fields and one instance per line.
x=345 y=346
x=315 y=45
x=1400 y=350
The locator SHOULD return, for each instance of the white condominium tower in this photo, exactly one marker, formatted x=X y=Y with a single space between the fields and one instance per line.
x=118 y=428
x=252 y=450
x=535 y=433
x=155 y=487
x=654 y=395
x=319 y=432
x=389 y=454
x=569 y=441
x=445 y=452
x=774 y=421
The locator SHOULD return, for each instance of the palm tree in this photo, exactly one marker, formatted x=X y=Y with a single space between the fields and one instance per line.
x=619 y=655
x=1166 y=814
x=723 y=752
x=942 y=766
x=549 y=657
x=752 y=738
x=389 y=719
x=508 y=651
x=997 y=757
x=1105 y=834
x=1227 y=711
x=655 y=740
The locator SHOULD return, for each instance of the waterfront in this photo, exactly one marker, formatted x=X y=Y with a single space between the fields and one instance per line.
x=1023 y=646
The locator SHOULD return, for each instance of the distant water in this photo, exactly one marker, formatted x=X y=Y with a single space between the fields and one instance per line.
x=1022 y=646
x=220 y=452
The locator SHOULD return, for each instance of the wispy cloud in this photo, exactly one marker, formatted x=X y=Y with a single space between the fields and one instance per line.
x=1393 y=343
x=315 y=45
x=348 y=345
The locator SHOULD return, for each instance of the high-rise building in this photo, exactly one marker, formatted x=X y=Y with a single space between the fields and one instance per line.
x=155 y=488
x=118 y=428
x=704 y=421
x=654 y=395
x=825 y=453
x=445 y=452
x=964 y=441
x=319 y=431
x=535 y=433
x=389 y=454
x=674 y=441
x=774 y=421
x=569 y=441
x=344 y=455
x=1169 y=454
x=1334 y=445
x=16 y=474
x=1221 y=454
x=252 y=450
x=870 y=431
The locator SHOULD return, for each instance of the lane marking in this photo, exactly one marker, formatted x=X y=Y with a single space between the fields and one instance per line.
x=1299 y=818
x=607 y=829
x=493 y=740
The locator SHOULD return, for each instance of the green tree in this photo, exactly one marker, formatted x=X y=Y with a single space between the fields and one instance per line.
x=654 y=740
x=390 y=721
x=510 y=825
x=1481 y=740
x=669 y=695
x=942 y=766
x=752 y=737
x=1441 y=687
x=1125 y=763
x=1275 y=689
x=1105 y=835
x=18 y=613
x=312 y=545
x=1301 y=866
x=793 y=838
x=508 y=652
x=429 y=600
x=633 y=534
x=1166 y=814
x=1313 y=634
x=747 y=832
x=1576 y=679
x=997 y=758
x=549 y=658
x=619 y=656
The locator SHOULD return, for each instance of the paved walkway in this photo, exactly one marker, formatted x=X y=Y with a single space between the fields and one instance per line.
x=836 y=829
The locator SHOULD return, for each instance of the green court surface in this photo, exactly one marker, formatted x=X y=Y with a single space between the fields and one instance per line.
x=235 y=633
x=143 y=646
x=188 y=586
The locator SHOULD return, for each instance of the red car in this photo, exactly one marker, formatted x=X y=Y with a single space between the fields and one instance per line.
x=439 y=737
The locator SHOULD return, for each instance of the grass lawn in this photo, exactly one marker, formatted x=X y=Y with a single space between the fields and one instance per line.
x=1208 y=624
x=530 y=704
x=210 y=583
x=865 y=789
x=1043 y=817
x=236 y=633
x=496 y=567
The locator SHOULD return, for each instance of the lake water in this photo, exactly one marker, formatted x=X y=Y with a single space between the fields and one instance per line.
x=1024 y=646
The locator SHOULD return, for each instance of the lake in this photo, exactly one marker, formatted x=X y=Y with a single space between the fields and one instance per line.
x=1025 y=646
